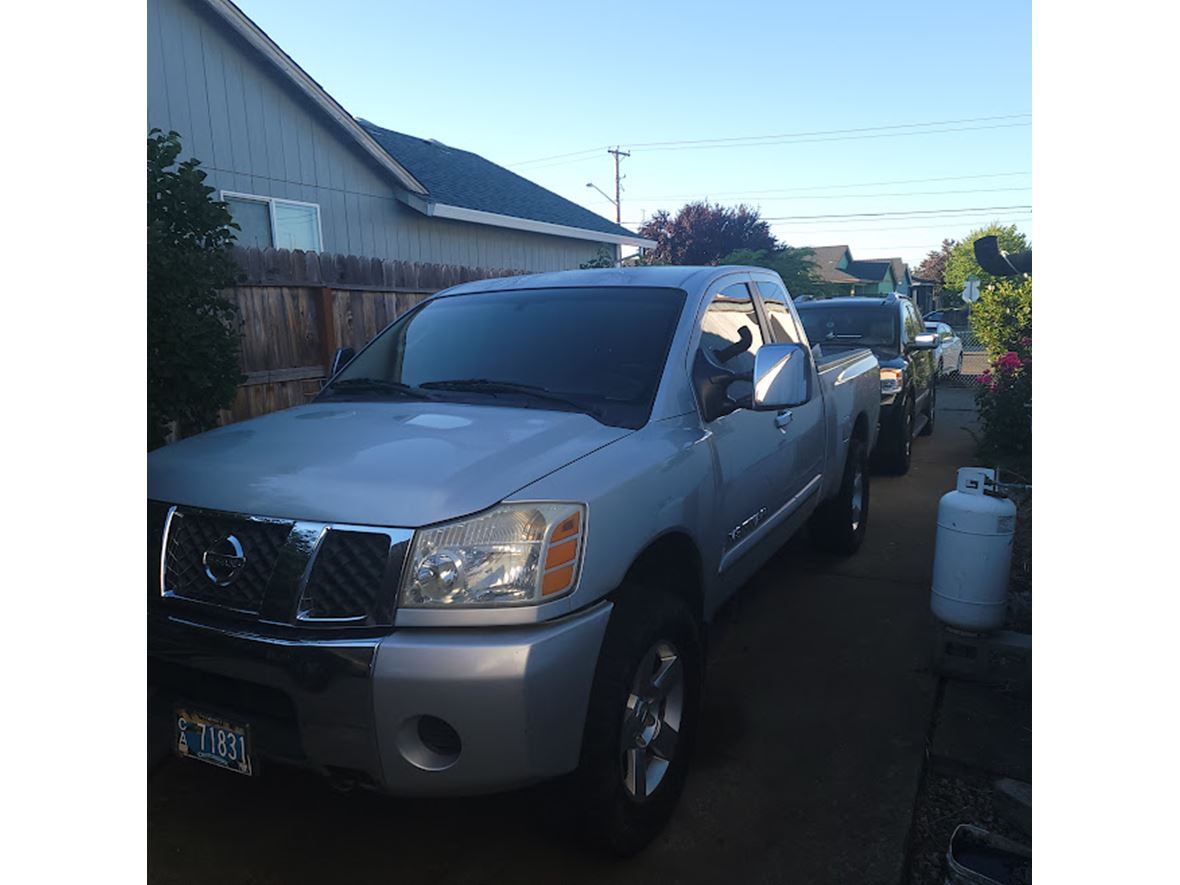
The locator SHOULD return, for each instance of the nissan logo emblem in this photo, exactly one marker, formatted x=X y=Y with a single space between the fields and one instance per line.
x=224 y=561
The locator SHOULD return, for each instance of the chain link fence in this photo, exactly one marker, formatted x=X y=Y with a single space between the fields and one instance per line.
x=967 y=371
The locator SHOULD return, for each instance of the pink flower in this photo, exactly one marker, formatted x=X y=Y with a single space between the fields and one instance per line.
x=1010 y=360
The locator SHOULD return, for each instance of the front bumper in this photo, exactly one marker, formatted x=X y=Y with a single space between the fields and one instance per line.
x=353 y=707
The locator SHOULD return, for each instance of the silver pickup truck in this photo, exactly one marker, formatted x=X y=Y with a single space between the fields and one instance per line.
x=487 y=553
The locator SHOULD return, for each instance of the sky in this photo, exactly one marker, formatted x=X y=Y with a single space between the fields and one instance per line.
x=883 y=126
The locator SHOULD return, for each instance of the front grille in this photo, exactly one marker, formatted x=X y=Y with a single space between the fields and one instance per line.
x=349 y=577
x=193 y=533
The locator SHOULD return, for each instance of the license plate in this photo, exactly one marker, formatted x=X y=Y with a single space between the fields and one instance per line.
x=214 y=740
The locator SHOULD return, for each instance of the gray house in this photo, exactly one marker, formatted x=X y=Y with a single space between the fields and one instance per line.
x=299 y=172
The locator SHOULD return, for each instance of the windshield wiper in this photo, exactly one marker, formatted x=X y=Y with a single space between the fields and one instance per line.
x=487 y=385
x=379 y=385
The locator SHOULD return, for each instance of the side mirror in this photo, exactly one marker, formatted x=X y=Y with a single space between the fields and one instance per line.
x=925 y=341
x=342 y=358
x=782 y=377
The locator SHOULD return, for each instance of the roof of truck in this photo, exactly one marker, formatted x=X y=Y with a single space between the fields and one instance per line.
x=664 y=276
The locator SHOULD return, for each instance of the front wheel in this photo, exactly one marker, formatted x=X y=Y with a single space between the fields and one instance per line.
x=895 y=457
x=839 y=525
x=641 y=721
x=928 y=427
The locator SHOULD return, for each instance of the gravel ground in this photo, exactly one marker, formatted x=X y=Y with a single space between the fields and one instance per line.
x=947 y=800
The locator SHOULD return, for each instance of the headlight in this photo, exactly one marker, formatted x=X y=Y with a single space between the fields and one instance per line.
x=891 y=380
x=515 y=554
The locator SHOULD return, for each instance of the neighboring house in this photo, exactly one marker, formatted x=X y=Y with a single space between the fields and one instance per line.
x=875 y=276
x=922 y=291
x=299 y=172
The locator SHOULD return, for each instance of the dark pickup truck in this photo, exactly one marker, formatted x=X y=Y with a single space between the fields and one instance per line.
x=892 y=328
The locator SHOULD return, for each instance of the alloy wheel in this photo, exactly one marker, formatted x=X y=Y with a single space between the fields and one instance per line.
x=651 y=722
x=858 y=497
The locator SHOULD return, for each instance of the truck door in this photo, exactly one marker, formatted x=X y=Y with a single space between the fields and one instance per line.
x=747 y=446
x=803 y=440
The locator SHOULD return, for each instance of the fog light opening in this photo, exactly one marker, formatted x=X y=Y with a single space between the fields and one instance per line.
x=429 y=743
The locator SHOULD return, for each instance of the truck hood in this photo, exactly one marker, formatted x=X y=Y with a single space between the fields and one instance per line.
x=402 y=464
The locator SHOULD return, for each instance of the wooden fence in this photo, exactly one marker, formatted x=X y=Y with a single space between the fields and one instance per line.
x=297 y=308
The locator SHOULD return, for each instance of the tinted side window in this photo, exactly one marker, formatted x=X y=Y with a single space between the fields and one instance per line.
x=783 y=329
x=912 y=324
x=732 y=310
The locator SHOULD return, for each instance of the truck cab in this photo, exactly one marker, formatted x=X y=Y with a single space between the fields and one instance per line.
x=892 y=328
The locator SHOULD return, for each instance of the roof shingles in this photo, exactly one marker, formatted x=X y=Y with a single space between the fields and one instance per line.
x=460 y=178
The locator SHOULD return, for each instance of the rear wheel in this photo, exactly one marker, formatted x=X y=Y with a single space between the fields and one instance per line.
x=839 y=525
x=641 y=721
x=959 y=364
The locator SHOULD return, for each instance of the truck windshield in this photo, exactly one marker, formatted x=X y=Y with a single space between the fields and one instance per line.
x=851 y=325
x=599 y=350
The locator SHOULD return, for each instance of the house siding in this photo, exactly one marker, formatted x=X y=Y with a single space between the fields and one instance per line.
x=255 y=134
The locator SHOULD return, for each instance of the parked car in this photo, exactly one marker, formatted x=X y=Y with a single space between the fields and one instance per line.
x=955 y=317
x=948 y=356
x=486 y=554
x=890 y=326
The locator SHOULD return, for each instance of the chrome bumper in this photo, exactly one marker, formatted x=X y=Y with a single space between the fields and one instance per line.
x=514 y=698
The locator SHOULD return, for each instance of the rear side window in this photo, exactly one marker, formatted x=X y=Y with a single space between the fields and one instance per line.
x=732 y=310
x=783 y=328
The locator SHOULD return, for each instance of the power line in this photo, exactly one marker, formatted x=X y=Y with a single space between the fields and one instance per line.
x=835 y=138
x=738 y=140
x=823 y=187
x=942 y=224
x=980 y=190
x=749 y=138
x=894 y=214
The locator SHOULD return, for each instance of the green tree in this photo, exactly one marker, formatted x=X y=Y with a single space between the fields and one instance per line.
x=192 y=328
x=794 y=265
x=961 y=262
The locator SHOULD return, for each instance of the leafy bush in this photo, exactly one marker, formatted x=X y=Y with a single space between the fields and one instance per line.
x=192 y=329
x=603 y=258
x=1005 y=408
x=1002 y=318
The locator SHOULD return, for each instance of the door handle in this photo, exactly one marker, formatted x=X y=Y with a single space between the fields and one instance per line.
x=782 y=419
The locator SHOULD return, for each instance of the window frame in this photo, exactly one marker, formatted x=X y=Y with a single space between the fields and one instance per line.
x=270 y=211
x=717 y=287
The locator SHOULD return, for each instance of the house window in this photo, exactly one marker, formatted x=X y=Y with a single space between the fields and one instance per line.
x=283 y=224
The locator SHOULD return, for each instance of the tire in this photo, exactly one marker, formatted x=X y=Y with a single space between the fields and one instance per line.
x=649 y=632
x=839 y=525
x=959 y=365
x=896 y=458
x=928 y=429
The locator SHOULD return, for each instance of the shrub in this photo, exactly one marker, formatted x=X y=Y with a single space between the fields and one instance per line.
x=192 y=330
x=1002 y=317
x=1005 y=408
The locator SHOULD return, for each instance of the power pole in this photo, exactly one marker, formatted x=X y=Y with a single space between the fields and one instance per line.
x=618 y=189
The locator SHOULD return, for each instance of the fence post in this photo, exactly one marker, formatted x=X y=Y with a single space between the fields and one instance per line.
x=327 y=327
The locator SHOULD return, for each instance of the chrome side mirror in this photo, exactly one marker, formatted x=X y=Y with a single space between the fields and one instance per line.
x=925 y=341
x=782 y=377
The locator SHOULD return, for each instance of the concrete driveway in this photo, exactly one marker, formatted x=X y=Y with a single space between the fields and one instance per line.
x=818 y=709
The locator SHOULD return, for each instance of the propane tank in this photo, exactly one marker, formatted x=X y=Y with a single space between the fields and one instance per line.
x=973 y=553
